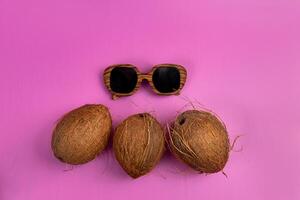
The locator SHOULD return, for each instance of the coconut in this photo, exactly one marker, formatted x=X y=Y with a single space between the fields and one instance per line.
x=200 y=139
x=82 y=134
x=138 y=144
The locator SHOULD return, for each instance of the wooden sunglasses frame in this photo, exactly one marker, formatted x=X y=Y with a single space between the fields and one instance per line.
x=140 y=77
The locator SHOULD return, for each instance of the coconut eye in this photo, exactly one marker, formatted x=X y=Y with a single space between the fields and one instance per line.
x=181 y=122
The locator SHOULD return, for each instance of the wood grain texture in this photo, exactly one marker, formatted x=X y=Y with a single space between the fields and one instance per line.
x=141 y=77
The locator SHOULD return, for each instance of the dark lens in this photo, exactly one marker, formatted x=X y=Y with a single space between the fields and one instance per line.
x=166 y=79
x=123 y=79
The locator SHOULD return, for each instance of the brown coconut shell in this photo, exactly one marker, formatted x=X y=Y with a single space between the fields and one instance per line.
x=200 y=139
x=82 y=134
x=138 y=144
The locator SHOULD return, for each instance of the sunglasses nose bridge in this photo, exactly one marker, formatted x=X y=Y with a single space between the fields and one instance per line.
x=145 y=77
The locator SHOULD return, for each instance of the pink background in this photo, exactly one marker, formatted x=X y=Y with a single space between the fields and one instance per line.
x=243 y=60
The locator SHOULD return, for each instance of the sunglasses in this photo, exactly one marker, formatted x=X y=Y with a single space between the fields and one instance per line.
x=125 y=79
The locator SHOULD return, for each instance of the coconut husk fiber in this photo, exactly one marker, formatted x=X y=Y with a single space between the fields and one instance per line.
x=82 y=134
x=138 y=144
x=200 y=139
